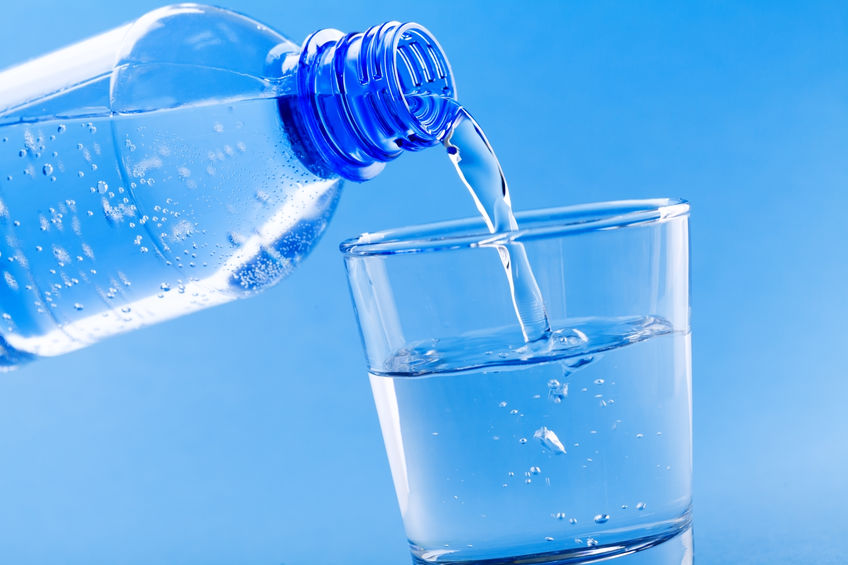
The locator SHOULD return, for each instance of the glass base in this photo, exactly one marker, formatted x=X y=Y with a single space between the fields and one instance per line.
x=672 y=546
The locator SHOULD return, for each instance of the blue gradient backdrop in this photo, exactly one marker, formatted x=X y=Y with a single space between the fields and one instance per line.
x=246 y=434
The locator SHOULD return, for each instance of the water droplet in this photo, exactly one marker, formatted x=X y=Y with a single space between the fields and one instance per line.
x=102 y=187
x=640 y=436
x=599 y=381
x=549 y=440
x=61 y=128
x=601 y=518
x=591 y=542
x=92 y=128
x=535 y=470
x=78 y=306
x=572 y=521
x=522 y=441
x=165 y=286
x=126 y=309
x=218 y=127
x=528 y=481
x=641 y=506
x=513 y=412
x=624 y=507
x=47 y=169
x=262 y=197
x=502 y=404
x=22 y=153
x=549 y=538
x=235 y=239
x=560 y=515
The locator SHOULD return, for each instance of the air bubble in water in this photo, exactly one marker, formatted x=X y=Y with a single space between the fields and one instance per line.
x=549 y=440
x=557 y=391
x=601 y=518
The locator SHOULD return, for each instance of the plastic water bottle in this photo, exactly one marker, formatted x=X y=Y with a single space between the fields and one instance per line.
x=187 y=159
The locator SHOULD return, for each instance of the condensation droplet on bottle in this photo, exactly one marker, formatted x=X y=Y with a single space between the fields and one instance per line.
x=560 y=516
x=102 y=187
x=47 y=169
x=522 y=441
x=641 y=506
x=549 y=538
x=572 y=521
x=61 y=128
x=502 y=404
x=601 y=518
x=535 y=470
x=591 y=542
x=78 y=306
x=22 y=153
x=599 y=381
x=165 y=286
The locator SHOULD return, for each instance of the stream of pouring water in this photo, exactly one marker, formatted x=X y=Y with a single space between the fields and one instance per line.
x=480 y=171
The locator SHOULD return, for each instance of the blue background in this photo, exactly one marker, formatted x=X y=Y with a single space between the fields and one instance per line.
x=246 y=434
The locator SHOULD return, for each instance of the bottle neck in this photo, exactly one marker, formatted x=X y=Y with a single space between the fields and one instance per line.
x=365 y=98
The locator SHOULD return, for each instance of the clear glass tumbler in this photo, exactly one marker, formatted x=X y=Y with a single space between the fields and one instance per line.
x=570 y=449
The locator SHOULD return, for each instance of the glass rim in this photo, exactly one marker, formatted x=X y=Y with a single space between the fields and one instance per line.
x=543 y=223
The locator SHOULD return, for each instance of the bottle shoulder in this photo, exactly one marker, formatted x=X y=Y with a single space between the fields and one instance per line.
x=185 y=54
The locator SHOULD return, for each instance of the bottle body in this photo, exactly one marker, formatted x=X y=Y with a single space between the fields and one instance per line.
x=148 y=177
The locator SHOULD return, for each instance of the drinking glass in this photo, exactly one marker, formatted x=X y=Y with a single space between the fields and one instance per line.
x=572 y=448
